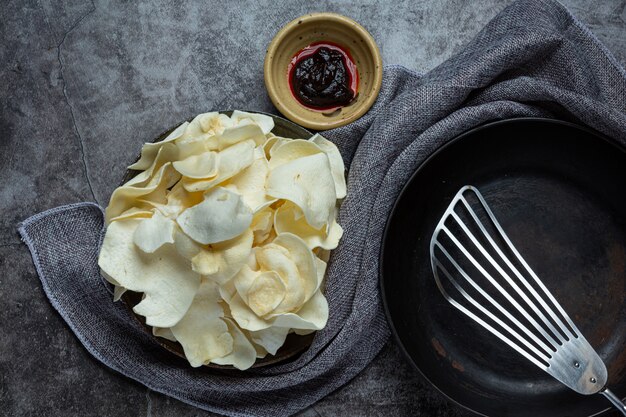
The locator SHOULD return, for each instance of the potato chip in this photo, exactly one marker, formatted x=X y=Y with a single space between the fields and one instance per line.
x=266 y=293
x=337 y=168
x=274 y=257
x=230 y=162
x=260 y=350
x=154 y=232
x=194 y=145
x=149 y=150
x=244 y=316
x=211 y=123
x=312 y=316
x=266 y=123
x=271 y=143
x=168 y=283
x=177 y=200
x=126 y=196
x=287 y=277
x=202 y=332
x=320 y=267
x=271 y=339
x=262 y=224
x=118 y=292
x=289 y=218
x=221 y=261
x=167 y=153
x=229 y=256
x=262 y=291
x=291 y=150
x=214 y=122
x=221 y=216
x=250 y=183
x=244 y=131
x=308 y=183
x=165 y=333
x=243 y=354
x=198 y=166
x=303 y=259
x=135 y=212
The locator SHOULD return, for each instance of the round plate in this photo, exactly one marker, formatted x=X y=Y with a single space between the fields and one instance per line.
x=294 y=344
x=329 y=27
x=558 y=190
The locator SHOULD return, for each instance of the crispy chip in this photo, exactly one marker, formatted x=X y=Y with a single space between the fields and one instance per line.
x=177 y=200
x=271 y=143
x=303 y=259
x=134 y=212
x=154 y=232
x=250 y=183
x=259 y=295
x=337 y=167
x=118 y=292
x=198 y=166
x=244 y=316
x=221 y=261
x=230 y=162
x=202 y=332
x=262 y=224
x=206 y=123
x=291 y=150
x=125 y=197
x=214 y=122
x=167 y=153
x=290 y=219
x=164 y=276
x=165 y=333
x=271 y=339
x=221 y=216
x=149 y=150
x=312 y=316
x=194 y=145
x=246 y=130
x=308 y=183
x=243 y=354
x=262 y=291
x=266 y=123
x=266 y=293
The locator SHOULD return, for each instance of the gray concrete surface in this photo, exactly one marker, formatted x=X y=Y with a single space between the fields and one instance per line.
x=83 y=84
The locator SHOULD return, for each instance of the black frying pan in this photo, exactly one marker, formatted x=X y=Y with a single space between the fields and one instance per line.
x=559 y=192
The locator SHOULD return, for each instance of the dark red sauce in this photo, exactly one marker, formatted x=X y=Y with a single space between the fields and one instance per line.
x=323 y=77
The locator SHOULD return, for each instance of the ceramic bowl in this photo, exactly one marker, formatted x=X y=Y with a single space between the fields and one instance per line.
x=318 y=27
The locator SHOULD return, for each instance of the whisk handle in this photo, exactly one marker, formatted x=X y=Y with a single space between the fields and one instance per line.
x=615 y=400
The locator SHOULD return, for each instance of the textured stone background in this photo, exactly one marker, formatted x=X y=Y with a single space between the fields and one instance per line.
x=83 y=84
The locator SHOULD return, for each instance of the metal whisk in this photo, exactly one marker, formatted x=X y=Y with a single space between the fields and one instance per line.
x=479 y=271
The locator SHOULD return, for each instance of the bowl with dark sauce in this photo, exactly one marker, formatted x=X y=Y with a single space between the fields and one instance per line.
x=323 y=70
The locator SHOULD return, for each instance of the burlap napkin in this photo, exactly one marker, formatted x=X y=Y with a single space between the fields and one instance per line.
x=533 y=59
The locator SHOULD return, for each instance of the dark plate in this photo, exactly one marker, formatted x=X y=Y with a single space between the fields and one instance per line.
x=294 y=344
x=559 y=192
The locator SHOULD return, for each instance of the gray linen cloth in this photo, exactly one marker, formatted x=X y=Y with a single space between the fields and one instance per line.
x=533 y=59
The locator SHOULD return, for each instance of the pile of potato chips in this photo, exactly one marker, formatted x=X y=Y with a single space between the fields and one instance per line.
x=225 y=231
